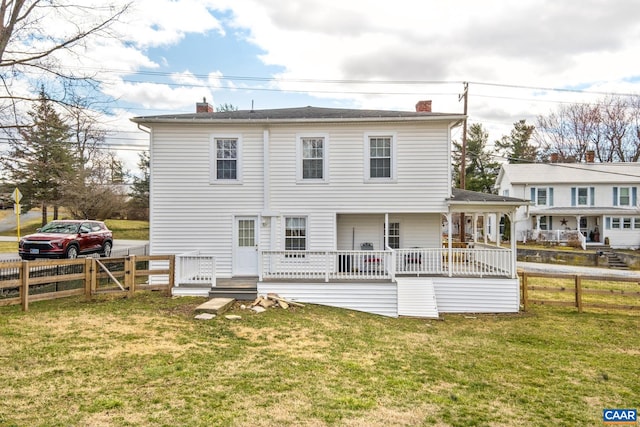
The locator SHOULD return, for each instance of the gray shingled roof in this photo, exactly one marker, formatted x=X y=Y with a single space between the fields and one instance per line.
x=466 y=196
x=297 y=114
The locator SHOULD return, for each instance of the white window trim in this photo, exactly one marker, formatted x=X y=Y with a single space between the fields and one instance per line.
x=284 y=231
x=628 y=196
x=325 y=158
x=213 y=160
x=588 y=199
x=394 y=157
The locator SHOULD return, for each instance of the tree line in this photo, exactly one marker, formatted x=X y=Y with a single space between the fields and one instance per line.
x=610 y=128
x=58 y=160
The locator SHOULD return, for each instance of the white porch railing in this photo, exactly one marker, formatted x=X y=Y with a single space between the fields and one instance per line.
x=570 y=237
x=195 y=269
x=359 y=265
x=326 y=265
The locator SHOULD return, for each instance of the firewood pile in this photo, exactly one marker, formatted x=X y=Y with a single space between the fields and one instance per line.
x=262 y=303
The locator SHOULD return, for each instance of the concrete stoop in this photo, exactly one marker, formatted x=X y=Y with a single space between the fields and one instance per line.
x=215 y=306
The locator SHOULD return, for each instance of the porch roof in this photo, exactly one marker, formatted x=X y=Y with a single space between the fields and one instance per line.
x=466 y=200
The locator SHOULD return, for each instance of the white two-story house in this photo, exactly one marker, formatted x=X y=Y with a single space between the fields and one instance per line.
x=333 y=206
x=597 y=200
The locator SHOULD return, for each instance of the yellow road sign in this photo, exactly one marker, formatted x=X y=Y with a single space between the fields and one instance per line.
x=16 y=195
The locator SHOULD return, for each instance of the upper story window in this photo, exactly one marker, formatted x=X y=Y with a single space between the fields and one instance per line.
x=380 y=157
x=312 y=158
x=625 y=196
x=542 y=196
x=505 y=193
x=583 y=196
x=225 y=159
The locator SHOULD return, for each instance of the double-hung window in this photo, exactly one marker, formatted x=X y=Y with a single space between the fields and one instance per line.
x=295 y=238
x=582 y=196
x=225 y=159
x=625 y=196
x=312 y=158
x=380 y=157
x=394 y=235
x=542 y=196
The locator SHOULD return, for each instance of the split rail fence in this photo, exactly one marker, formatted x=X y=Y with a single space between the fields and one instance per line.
x=581 y=291
x=23 y=282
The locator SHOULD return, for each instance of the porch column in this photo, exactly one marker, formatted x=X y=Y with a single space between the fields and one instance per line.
x=386 y=231
x=485 y=226
x=475 y=227
x=449 y=251
x=514 y=249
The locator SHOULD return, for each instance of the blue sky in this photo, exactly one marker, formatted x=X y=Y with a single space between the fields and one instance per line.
x=376 y=54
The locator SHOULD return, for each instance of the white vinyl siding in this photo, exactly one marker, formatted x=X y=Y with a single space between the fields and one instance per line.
x=188 y=212
x=422 y=157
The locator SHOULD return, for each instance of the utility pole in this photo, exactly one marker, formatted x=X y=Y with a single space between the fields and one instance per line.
x=463 y=155
x=463 y=158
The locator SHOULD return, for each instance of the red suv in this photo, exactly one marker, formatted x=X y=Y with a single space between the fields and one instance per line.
x=67 y=239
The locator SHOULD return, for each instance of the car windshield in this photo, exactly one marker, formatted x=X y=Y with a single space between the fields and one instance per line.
x=60 y=227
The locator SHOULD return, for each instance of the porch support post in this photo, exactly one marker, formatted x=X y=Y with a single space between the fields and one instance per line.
x=485 y=226
x=386 y=231
x=475 y=227
x=449 y=251
x=514 y=249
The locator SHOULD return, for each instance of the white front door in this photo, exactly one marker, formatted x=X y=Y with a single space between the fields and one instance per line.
x=246 y=247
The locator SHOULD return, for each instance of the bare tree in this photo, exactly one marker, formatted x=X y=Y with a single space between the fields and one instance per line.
x=610 y=128
x=569 y=132
x=96 y=190
x=29 y=46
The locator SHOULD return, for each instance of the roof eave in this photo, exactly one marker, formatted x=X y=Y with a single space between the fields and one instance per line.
x=209 y=121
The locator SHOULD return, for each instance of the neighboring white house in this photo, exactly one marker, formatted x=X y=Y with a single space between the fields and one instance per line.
x=333 y=206
x=600 y=200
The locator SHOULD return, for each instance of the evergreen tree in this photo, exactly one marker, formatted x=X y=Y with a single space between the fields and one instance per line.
x=139 y=202
x=40 y=157
x=481 y=169
x=516 y=147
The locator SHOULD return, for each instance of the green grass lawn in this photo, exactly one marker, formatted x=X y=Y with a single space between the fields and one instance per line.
x=146 y=361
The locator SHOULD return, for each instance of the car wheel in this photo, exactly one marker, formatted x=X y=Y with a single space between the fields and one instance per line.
x=106 y=250
x=72 y=252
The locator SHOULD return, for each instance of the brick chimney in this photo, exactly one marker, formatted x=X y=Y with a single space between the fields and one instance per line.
x=423 y=106
x=204 y=106
x=590 y=156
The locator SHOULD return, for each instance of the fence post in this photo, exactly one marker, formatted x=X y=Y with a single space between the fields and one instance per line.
x=172 y=273
x=129 y=274
x=578 y=281
x=87 y=279
x=525 y=295
x=24 y=289
x=94 y=277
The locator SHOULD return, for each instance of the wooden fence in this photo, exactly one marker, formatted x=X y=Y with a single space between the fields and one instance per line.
x=601 y=287
x=23 y=282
